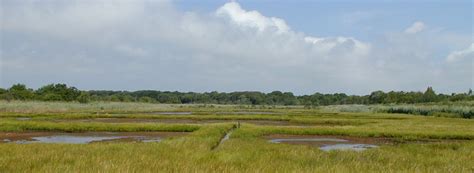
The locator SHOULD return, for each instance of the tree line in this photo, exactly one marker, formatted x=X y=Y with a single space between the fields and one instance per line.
x=62 y=92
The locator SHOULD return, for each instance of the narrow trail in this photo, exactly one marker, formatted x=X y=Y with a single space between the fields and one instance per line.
x=225 y=138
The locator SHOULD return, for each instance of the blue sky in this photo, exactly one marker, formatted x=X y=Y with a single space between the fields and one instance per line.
x=263 y=45
x=362 y=19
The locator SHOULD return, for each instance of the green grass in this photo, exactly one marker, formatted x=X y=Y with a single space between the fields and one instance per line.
x=245 y=151
x=448 y=109
x=15 y=126
x=58 y=107
x=255 y=155
x=239 y=154
x=125 y=107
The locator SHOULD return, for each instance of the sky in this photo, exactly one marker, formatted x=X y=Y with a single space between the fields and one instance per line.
x=300 y=46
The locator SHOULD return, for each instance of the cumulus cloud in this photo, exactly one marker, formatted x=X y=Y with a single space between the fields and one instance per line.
x=320 y=46
x=467 y=53
x=415 y=28
x=252 y=18
x=326 y=44
x=143 y=44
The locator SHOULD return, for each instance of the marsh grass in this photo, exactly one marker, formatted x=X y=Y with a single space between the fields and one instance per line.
x=193 y=153
x=13 y=126
x=61 y=107
x=245 y=151
x=182 y=153
x=449 y=109
x=131 y=107
x=257 y=155
x=430 y=110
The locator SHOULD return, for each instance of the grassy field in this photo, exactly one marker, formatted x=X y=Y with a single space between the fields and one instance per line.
x=423 y=143
x=449 y=109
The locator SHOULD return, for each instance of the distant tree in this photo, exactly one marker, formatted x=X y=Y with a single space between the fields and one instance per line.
x=51 y=97
x=187 y=98
x=168 y=97
x=146 y=99
x=316 y=99
x=256 y=98
x=58 y=92
x=392 y=97
x=4 y=95
x=20 y=92
x=289 y=99
x=275 y=98
x=84 y=97
x=242 y=99
x=114 y=98
x=377 y=97
x=429 y=95
x=62 y=92
x=127 y=98
x=458 y=97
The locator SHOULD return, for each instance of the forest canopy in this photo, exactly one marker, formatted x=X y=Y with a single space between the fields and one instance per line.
x=62 y=92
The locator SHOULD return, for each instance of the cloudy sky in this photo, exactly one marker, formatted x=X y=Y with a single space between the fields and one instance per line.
x=258 y=45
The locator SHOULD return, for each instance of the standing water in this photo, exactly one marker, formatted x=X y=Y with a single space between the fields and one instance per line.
x=326 y=143
x=84 y=138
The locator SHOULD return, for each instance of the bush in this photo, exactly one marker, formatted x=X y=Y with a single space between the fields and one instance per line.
x=84 y=97
x=52 y=97
x=147 y=99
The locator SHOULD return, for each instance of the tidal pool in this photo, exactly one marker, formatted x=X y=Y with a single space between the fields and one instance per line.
x=250 y=113
x=328 y=143
x=68 y=139
x=355 y=147
x=23 y=118
x=84 y=138
x=170 y=113
x=184 y=121
x=308 y=140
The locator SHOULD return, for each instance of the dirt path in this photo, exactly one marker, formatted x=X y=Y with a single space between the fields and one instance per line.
x=224 y=138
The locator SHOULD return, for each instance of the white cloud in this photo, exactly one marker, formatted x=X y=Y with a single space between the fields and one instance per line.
x=415 y=28
x=252 y=18
x=326 y=44
x=461 y=54
x=151 y=45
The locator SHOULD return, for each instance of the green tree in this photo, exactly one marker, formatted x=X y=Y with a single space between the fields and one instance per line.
x=429 y=95
x=377 y=97
x=84 y=97
x=20 y=92
x=114 y=98
x=146 y=99
x=5 y=95
x=289 y=99
x=51 y=97
x=58 y=92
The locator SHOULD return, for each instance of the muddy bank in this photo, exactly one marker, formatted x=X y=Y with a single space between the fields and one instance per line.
x=85 y=137
x=321 y=138
x=143 y=113
x=23 y=118
x=198 y=121
x=328 y=143
x=183 y=121
x=250 y=113
x=224 y=138
x=169 y=113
